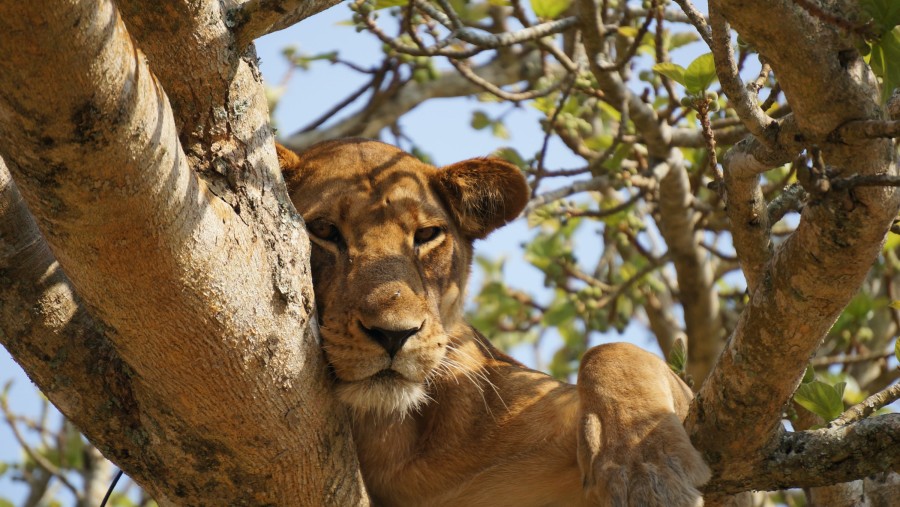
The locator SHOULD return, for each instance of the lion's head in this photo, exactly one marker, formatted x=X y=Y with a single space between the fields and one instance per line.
x=392 y=244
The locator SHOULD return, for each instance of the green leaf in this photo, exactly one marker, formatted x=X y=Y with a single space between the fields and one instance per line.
x=549 y=9
x=6 y=503
x=561 y=311
x=885 y=62
x=480 y=120
x=511 y=155
x=809 y=375
x=821 y=398
x=628 y=31
x=700 y=74
x=672 y=71
x=680 y=39
x=499 y=130
x=897 y=349
x=384 y=4
x=678 y=356
x=885 y=13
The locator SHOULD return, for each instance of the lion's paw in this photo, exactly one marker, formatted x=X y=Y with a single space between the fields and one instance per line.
x=661 y=469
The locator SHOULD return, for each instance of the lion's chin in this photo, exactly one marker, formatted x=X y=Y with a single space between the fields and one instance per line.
x=383 y=394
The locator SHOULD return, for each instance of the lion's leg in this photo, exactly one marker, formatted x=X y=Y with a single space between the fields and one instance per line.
x=632 y=447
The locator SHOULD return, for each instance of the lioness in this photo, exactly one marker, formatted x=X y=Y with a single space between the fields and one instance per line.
x=440 y=416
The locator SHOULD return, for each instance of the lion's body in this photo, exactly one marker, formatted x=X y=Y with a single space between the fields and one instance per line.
x=440 y=417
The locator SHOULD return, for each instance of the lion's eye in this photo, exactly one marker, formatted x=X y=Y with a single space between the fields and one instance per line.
x=426 y=234
x=324 y=230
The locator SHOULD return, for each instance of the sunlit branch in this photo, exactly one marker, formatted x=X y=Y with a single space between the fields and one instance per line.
x=255 y=18
x=755 y=119
x=697 y=19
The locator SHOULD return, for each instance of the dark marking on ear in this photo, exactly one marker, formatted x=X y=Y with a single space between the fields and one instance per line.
x=482 y=193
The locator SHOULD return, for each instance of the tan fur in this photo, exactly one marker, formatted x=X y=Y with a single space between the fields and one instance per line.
x=450 y=420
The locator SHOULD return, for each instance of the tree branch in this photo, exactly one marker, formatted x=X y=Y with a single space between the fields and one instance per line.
x=811 y=277
x=868 y=129
x=46 y=329
x=698 y=295
x=255 y=18
x=746 y=107
x=696 y=18
x=823 y=457
x=868 y=406
x=500 y=71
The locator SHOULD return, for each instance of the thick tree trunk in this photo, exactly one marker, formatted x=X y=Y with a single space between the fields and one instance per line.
x=197 y=367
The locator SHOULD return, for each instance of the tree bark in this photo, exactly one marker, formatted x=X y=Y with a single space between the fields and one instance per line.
x=735 y=419
x=197 y=367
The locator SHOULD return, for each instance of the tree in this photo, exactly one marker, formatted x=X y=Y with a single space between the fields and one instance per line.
x=155 y=283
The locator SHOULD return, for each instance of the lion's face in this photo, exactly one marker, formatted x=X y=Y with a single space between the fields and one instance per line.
x=392 y=243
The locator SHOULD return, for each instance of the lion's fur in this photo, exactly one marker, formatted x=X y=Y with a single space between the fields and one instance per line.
x=449 y=419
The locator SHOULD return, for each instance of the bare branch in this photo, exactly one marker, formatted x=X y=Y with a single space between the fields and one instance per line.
x=790 y=199
x=699 y=297
x=35 y=456
x=850 y=358
x=696 y=18
x=746 y=106
x=597 y=183
x=867 y=407
x=394 y=104
x=479 y=39
x=465 y=71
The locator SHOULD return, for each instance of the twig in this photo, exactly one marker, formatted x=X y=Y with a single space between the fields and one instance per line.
x=849 y=359
x=773 y=96
x=466 y=71
x=38 y=459
x=721 y=255
x=455 y=22
x=867 y=406
x=566 y=172
x=632 y=49
x=622 y=287
x=373 y=84
x=480 y=40
x=539 y=173
x=593 y=184
x=703 y=116
x=603 y=213
x=790 y=199
x=696 y=18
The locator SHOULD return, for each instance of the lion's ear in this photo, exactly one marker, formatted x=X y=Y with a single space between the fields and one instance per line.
x=483 y=194
x=290 y=167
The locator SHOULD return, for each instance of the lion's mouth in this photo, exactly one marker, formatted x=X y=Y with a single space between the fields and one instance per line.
x=387 y=393
x=388 y=374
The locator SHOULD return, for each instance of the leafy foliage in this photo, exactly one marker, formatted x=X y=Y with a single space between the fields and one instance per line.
x=822 y=399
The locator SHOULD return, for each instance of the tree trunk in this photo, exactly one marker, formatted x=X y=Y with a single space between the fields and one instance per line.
x=180 y=338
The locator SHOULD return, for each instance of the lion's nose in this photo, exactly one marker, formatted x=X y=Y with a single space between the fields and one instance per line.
x=391 y=340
